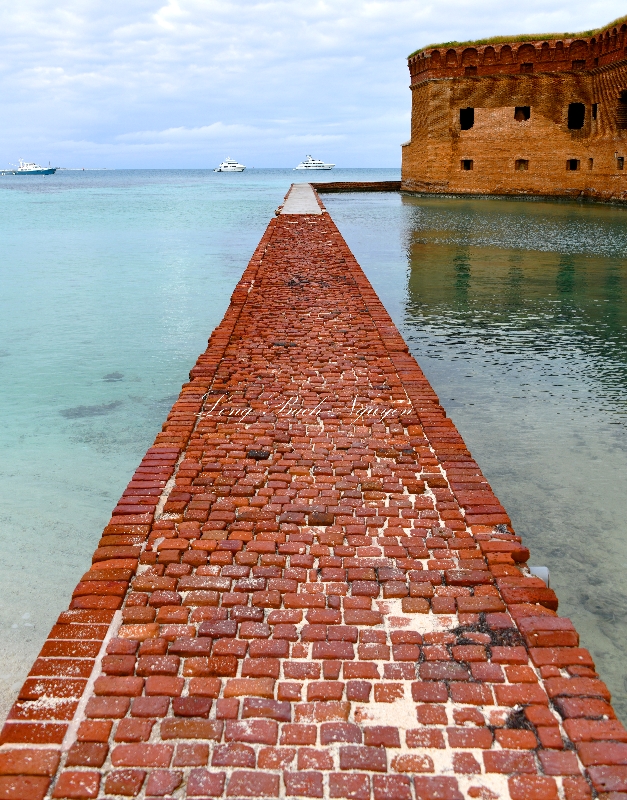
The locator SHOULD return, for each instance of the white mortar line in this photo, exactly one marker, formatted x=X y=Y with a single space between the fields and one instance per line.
x=72 y=731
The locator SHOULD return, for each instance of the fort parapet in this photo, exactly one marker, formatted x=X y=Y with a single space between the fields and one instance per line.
x=540 y=116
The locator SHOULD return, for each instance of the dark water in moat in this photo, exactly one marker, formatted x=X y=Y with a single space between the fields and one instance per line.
x=111 y=283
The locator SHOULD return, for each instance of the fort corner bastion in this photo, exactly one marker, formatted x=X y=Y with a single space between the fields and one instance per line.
x=540 y=115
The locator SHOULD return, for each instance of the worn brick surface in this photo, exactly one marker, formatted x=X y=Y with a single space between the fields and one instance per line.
x=310 y=598
x=498 y=80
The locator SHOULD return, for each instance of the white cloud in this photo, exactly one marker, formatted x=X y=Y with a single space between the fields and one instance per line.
x=177 y=82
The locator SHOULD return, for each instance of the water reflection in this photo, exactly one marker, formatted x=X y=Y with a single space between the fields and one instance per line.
x=515 y=312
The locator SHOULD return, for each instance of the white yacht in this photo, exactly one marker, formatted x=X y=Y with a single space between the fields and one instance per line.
x=230 y=165
x=313 y=163
x=30 y=168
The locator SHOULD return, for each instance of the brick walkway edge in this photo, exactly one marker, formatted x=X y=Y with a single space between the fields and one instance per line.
x=308 y=588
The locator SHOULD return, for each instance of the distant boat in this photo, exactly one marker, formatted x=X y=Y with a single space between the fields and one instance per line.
x=313 y=163
x=230 y=165
x=30 y=168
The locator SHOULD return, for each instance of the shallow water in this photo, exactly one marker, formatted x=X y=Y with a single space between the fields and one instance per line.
x=111 y=283
x=517 y=313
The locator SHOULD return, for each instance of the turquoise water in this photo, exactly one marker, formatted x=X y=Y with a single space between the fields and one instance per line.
x=111 y=283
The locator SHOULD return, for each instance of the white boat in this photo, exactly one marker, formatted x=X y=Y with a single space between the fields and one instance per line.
x=230 y=165
x=313 y=163
x=30 y=168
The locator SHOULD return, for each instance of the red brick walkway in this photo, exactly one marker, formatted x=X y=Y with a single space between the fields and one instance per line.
x=302 y=592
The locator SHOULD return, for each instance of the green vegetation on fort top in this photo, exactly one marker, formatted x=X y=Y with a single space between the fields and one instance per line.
x=525 y=37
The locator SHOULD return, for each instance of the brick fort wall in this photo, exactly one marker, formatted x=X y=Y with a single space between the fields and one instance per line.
x=547 y=117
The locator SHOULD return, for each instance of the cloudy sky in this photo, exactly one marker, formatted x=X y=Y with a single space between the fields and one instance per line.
x=183 y=83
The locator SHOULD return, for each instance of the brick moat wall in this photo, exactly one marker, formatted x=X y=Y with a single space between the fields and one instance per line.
x=526 y=137
x=309 y=589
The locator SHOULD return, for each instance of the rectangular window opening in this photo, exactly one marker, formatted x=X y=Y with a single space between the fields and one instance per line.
x=576 y=116
x=572 y=164
x=521 y=164
x=467 y=164
x=472 y=70
x=590 y=163
x=595 y=110
x=522 y=113
x=526 y=67
x=621 y=114
x=579 y=63
x=620 y=162
x=466 y=118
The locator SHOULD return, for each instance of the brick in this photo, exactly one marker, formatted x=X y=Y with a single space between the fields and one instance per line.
x=72 y=784
x=127 y=782
x=559 y=763
x=119 y=686
x=526 y=787
x=150 y=706
x=191 y=755
x=191 y=706
x=298 y=734
x=470 y=737
x=425 y=737
x=304 y=784
x=257 y=687
x=355 y=787
x=474 y=605
x=576 y=789
x=391 y=787
x=576 y=687
x=87 y=754
x=173 y=728
x=443 y=670
x=517 y=739
x=412 y=762
x=609 y=778
x=23 y=787
x=252 y=784
x=584 y=707
x=262 y=731
x=203 y=783
x=508 y=761
x=340 y=732
x=29 y=762
x=107 y=707
x=233 y=754
x=466 y=764
x=443 y=788
x=162 y=685
x=163 y=782
x=382 y=736
x=141 y=755
x=277 y=757
x=586 y=730
x=33 y=733
x=521 y=694
x=429 y=692
x=271 y=709
x=133 y=730
x=366 y=758
x=474 y=693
